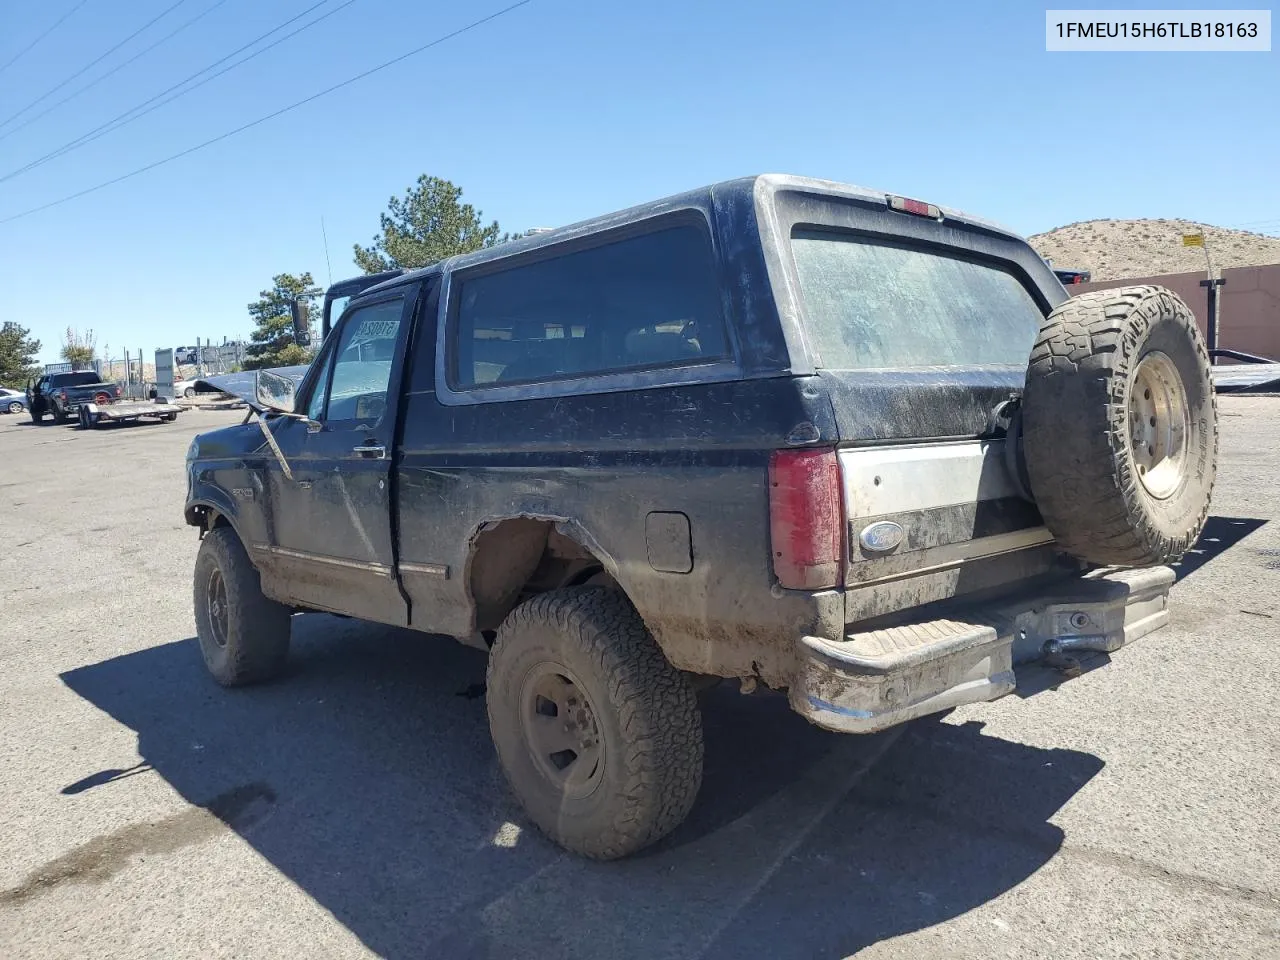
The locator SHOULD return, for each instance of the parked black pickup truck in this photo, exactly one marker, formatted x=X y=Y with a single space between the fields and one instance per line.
x=844 y=444
x=61 y=394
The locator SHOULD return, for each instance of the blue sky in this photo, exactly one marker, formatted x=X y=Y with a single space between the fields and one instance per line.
x=567 y=108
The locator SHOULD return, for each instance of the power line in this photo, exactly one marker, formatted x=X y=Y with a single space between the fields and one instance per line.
x=27 y=49
x=271 y=116
x=92 y=63
x=116 y=69
x=137 y=110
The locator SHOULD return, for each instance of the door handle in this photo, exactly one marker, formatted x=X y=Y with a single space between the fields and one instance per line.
x=372 y=451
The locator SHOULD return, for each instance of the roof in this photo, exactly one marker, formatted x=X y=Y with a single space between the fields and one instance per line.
x=753 y=187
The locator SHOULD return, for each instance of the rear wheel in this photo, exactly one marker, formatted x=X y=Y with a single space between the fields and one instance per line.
x=598 y=735
x=243 y=634
x=1120 y=426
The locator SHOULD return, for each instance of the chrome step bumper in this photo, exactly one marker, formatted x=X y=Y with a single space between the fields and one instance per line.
x=879 y=678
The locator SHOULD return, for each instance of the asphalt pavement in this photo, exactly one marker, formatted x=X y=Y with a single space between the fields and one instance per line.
x=355 y=807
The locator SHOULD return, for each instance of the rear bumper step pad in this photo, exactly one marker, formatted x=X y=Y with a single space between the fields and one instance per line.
x=879 y=678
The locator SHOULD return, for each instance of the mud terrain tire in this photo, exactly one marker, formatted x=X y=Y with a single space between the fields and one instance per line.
x=1120 y=426
x=638 y=740
x=243 y=634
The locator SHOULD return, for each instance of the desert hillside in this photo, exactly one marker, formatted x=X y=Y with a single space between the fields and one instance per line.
x=1116 y=249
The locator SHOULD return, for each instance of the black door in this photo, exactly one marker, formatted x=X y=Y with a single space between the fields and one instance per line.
x=35 y=398
x=332 y=541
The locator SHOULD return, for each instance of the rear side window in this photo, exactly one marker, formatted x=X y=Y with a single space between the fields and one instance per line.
x=874 y=306
x=648 y=301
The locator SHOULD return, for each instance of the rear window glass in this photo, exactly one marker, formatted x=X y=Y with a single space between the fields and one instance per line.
x=874 y=306
x=77 y=379
x=647 y=301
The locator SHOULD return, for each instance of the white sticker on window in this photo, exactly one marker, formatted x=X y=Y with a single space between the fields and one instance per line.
x=378 y=329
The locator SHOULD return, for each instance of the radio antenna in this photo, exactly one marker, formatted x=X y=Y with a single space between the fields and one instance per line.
x=327 y=267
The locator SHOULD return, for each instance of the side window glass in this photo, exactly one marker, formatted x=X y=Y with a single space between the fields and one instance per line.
x=315 y=406
x=361 y=362
x=643 y=302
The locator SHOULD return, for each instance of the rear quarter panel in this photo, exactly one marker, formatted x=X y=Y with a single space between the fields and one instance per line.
x=601 y=464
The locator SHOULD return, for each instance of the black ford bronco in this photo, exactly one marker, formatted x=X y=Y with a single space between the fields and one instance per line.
x=845 y=444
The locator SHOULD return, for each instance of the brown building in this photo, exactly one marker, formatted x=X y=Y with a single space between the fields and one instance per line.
x=1248 y=306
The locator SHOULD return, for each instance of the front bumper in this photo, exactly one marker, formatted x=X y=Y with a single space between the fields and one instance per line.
x=879 y=678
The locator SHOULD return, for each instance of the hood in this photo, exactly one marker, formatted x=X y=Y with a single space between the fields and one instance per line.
x=241 y=384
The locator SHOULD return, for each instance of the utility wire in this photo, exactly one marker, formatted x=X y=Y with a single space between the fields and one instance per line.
x=27 y=49
x=121 y=119
x=116 y=69
x=92 y=63
x=271 y=116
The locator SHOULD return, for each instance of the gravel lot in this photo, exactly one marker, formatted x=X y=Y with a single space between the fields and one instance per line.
x=355 y=808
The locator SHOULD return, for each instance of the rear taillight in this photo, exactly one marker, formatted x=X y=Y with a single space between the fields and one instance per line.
x=806 y=518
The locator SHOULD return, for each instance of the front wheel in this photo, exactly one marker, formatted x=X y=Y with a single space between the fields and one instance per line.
x=598 y=735
x=15 y=407
x=243 y=634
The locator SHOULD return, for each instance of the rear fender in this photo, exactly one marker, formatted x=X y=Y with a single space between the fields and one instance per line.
x=488 y=594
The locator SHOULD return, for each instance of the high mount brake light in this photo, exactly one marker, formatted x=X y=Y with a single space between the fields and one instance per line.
x=806 y=519
x=918 y=207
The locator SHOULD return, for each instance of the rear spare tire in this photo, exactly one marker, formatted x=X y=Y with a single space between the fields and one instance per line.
x=1120 y=426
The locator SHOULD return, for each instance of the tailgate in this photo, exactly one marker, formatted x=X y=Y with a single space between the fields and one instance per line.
x=930 y=521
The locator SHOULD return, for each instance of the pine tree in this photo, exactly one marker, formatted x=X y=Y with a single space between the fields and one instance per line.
x=273 y=344
x=17 y=355
x=429 y=224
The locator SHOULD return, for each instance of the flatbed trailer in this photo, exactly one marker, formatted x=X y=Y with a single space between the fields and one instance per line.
x=95 y=414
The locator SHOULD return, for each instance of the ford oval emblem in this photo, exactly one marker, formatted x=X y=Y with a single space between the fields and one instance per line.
x=882 y=536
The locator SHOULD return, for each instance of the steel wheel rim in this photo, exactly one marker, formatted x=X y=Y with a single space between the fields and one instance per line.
x=561 y=731
x=216 y=599
x=1159 y=425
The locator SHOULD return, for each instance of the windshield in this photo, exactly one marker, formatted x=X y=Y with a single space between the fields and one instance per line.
x=874 y=306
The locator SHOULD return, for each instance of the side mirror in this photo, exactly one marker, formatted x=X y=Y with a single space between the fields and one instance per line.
x=301 y=315
x=274 y=391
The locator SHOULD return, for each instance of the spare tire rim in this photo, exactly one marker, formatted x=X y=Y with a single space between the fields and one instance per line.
x=1159 y=424
x=560 y=730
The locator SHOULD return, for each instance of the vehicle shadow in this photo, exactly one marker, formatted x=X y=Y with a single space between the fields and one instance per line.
x=1220 y=534
x=387 y=807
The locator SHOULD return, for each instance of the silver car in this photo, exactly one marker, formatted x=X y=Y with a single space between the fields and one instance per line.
x=12 y=401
